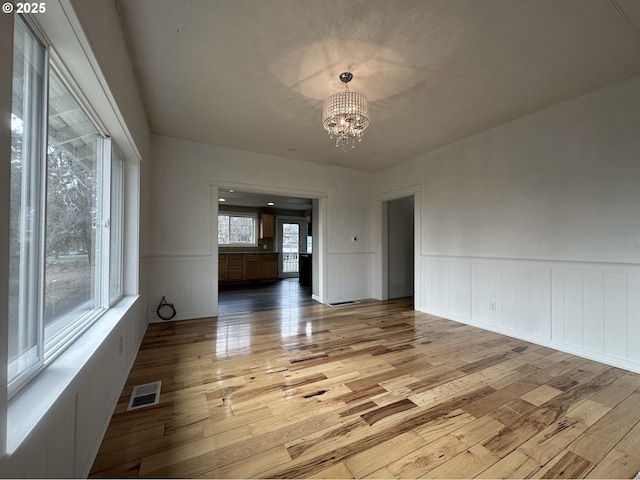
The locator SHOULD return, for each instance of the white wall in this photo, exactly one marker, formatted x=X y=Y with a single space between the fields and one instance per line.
x=401 y=236
x=183 y=253
x=56 y=423
x=532 y=228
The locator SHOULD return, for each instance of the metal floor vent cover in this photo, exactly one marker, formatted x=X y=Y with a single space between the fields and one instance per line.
x=145 y=395
x=340 y=304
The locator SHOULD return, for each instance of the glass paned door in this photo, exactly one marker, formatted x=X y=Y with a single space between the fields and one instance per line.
x=290 y=248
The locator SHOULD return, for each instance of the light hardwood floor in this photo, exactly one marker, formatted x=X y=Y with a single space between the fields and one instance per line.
x=372 y=390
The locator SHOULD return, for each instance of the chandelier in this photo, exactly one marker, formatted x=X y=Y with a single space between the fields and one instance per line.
x=345 y=115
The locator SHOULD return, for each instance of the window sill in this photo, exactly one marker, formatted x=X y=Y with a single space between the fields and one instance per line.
x=32 y=403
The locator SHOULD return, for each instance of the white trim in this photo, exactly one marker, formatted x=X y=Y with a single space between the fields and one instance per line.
x=62 y=29
x=32 y=403
x=562 y=347
x=320 y=251
x=528 y=300
x=568 y=264
x=255 y=188
x=153 y=317
x=380 y=258
x=398 y=193
x=83 y=42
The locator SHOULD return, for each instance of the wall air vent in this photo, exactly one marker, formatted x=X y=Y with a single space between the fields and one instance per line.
x=145 y=395
x=340 y=304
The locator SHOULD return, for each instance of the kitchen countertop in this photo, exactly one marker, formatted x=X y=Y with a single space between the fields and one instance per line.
x=255 y=252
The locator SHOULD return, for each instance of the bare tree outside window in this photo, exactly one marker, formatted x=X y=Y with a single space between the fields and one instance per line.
x=237 y=229
x=66 y=213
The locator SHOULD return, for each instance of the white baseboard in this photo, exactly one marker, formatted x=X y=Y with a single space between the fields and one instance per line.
x=153 y=318
x=545 y=342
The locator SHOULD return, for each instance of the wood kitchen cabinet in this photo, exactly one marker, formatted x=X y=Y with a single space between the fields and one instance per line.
x=235 y=268
x=222 y=268
x=252 y=267
x=269 y=266
x=247 y=267
x=267 y=225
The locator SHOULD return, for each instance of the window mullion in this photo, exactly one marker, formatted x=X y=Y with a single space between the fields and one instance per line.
x=116 y=218
x=38 y=273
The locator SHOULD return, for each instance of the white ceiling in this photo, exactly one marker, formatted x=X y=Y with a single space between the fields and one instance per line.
x=252 y=74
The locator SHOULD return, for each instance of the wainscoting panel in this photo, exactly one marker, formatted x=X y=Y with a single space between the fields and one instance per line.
x=593 y=311
x=349 y=276
x=597 y=311
x=633 y=317
x=587 y=309
x=446 y=288
x=186 y=281
x=615 y=315
x=511 y=296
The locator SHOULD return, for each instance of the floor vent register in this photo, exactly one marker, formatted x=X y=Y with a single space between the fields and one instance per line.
x=145 y=395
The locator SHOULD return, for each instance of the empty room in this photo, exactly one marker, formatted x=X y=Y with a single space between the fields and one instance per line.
x=320 y=239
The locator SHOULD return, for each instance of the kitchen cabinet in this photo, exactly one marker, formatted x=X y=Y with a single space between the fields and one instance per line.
x=222 y=268
x=267 y=225
x=269 y=266
x=235 y=268
x=252 y=267
x=247 y=267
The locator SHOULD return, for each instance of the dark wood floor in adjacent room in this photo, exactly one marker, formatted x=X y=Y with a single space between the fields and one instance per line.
x=373 y=390
x=285 y=293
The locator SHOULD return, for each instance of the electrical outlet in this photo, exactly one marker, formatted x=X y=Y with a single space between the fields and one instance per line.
x=492 y=306
x=121 y=346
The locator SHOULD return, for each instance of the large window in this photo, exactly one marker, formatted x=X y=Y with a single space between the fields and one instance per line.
x=237 y=229
x=26 y=201
x=66 y=213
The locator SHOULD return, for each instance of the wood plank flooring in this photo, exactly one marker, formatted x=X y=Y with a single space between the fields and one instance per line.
x=372 y=390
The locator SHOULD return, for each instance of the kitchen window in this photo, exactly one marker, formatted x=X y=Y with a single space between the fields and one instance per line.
x=236 y=229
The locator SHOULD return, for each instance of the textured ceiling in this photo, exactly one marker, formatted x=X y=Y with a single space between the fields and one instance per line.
x=252 y=74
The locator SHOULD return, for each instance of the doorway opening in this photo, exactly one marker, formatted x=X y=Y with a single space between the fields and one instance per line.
x=283 y=235
x=400 y=261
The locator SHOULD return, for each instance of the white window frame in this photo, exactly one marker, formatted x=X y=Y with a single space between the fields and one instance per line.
x=73 y=324
x=50 y=343
x=116 y=225
x=31 y=292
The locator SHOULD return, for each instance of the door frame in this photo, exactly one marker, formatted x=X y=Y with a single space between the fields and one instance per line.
x=319 y=282
x=302 y=245
x=381 y=264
